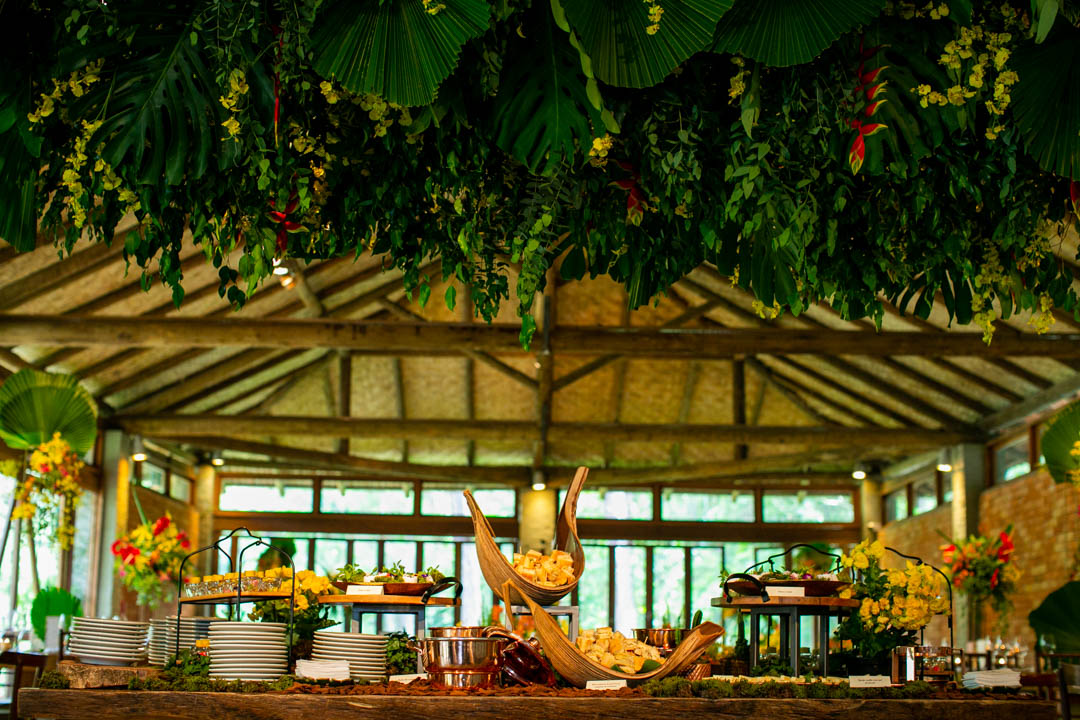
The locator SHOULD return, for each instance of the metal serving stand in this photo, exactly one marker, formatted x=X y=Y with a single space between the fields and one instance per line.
x=241 y=597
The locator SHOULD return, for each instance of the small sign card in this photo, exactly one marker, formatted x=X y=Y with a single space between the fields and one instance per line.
x=365 y=590
x=605 y=684
x=406 y=679
x=869 y=681
x=786 y=591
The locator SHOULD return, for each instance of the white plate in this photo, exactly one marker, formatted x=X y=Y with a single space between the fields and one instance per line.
x=339 y=633
x=241 y=645
x=83 y=632
x=348 y=654
x=233 y=624
x=256 y=667
x=246 y=638
x=350 y=643
x=241 y=675
x=109 y=623
x=116 y=662
x=345 y=648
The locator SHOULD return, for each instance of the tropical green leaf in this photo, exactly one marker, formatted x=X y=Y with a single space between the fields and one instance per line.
x=790 y=32
x=1056 y=617
x=1046 y=100
x=35 y=404
x=1058 y=441
x=542 y=113
x=158 y=112
x=18 y=171
x=395 y=49
x=613 y=33
x=52 y=601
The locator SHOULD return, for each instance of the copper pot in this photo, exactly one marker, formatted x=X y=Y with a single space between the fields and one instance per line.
x=662 y=638
x=456 y=679
x=459 y=653
x=461 y=632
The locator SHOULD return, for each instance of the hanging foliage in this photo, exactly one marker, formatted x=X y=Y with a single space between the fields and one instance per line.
x=834 y=152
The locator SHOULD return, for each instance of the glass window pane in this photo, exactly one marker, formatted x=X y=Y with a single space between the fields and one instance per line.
x=946 y=488
x=84 y=545
x=924 y=490
x=403 y=552
x=896 y=505
x=291 y=496
x=330 y=555
x=593 y=588
x=708 y=507
x=476 y=599
x=153 y=477
x=360 y=498
x=629 y=588
x=614 y=504
x=706 y=563
x=445 y=500
x=180 y=488
x=365 y=554
x=807 y=507
x=669 y=584
x=439 y=554
x=1011 y=460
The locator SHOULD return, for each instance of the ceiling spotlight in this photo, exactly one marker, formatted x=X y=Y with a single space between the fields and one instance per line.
x=216 y=459
x=138 y=452
x=859 y=473
x=944 y=463
x=538 y=483
x=280 y=268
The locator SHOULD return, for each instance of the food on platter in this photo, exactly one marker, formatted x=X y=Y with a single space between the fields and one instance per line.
x=545 y=570
x=395 y=579
x=612 y=650
x=822 y=584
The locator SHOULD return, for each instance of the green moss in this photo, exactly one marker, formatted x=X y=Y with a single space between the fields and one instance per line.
x=52 y=680
x=720 y=689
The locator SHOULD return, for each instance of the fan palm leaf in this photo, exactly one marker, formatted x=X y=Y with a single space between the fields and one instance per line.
x=53 y=601
x=1046 y=100
x=35 y=404
x=613 y=34
x=790 y=32
x=542 y=113
x=395 y=49
x=1058 y=442
x=1056 y=617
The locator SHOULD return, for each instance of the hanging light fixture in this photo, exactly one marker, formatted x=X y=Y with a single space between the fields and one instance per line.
x=538 y=483
x=138 y=452
x=859 y=473
x=944 y=463
x=216 y=459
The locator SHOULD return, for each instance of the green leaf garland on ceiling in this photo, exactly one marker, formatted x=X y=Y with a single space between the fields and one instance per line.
x=790 y=32
x=396 y=49
x=613 y=33
x=35 y=404
x=1046 y=101
x=542 y=111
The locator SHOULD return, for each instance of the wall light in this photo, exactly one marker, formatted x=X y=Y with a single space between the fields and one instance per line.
x=138 y=452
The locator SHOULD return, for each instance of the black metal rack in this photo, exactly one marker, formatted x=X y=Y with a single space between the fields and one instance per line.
x=240 y=597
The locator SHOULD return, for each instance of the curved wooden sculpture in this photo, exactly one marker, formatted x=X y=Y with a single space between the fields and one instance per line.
x=497 y=569
x=579 y=670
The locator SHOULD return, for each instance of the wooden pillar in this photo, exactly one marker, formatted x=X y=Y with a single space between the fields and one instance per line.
x=738 y=400
x=968 y=477
x=206 y=489
x=870 y=500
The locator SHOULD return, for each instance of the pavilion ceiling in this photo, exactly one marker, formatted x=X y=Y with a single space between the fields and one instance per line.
x=341 y=372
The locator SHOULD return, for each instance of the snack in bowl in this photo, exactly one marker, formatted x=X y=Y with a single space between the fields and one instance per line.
x=545 y=570
x=613 y=650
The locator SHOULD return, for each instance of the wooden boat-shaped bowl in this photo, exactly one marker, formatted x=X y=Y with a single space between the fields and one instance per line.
x=497 y=570
x=578 y=670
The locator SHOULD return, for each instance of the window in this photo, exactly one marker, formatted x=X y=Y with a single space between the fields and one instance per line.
x=180 y=488
x=1012 y=459
x=895 y=505
x=448 y=500
x=152 y=477
x=360 y=498
x=614 y=504
x=924 y=493
x=807 y=507
x=291 y=496
x=707 y=507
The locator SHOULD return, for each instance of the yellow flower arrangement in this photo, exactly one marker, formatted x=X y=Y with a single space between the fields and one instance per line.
x=148 y=559
x=51 y=485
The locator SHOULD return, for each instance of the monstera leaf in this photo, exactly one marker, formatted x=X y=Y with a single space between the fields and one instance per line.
x=613 y=34
x=542 y=113
x=1046 y=100
x=790 y=32
x=1056 y=617
x=1058 y=442
x=35 y=404
x=52 y=601
x=395 y=49
x=158 y=112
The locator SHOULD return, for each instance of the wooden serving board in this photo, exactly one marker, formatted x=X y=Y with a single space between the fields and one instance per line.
x=812 y=588
x=386 y=600
x=81 y=675
x=756 y=601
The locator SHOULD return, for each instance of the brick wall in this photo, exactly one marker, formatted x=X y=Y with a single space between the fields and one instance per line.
x=919 y=536
x=1046 y=532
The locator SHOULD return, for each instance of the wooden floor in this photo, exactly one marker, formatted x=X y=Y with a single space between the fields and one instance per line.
x=129 y=705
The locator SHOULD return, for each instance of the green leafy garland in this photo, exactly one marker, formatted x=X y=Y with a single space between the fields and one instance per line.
x=920 y=152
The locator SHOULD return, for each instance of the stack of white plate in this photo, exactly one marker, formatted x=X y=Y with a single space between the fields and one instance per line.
x=248 y=651
x=109 y=642
x=366 y=654
x=163 y=635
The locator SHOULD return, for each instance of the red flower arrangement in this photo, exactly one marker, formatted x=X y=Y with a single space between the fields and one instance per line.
x=148 y=559
x=982 y=568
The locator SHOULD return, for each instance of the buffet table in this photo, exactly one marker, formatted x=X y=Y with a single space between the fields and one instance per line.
x=127 y=704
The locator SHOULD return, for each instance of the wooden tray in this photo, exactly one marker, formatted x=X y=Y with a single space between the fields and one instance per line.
x=812 y=588
x=386 y=600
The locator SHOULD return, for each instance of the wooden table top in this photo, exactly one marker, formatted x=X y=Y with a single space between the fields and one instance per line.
x=752 y=601
x=405 y=600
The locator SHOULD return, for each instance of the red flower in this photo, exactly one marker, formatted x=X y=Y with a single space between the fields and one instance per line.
x=287 y=225
x=948 y=552
x=185 y=544
x=1006 y=548
x=994 y=579
x=117 y=547
x=161 y=525
x=1074 y=195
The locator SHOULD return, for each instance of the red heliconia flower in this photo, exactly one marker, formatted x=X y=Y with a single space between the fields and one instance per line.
x=857 y=153
x=287 y=225
x=1074 y=195
x=185 y=544
x=948 y=552
x=1006 y=548
x=161 y=525
x=117 y=547
x=994 y=578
